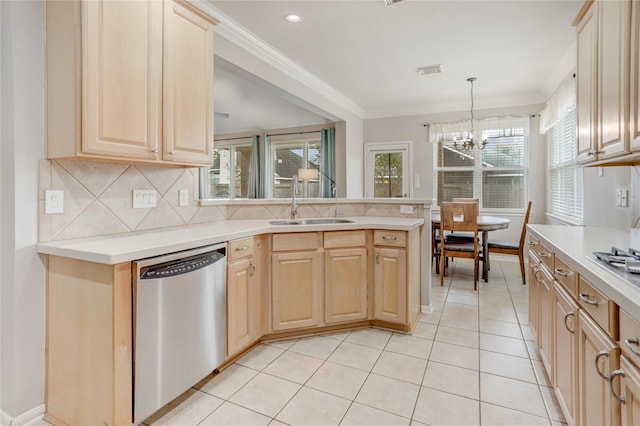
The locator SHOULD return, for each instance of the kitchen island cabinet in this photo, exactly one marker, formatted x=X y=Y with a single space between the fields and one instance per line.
x=129 y=82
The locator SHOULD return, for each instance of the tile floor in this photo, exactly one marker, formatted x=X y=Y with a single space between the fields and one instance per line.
x=470 y=362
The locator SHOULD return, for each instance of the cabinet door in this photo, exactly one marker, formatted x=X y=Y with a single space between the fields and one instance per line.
x=240 y=312
x=586 y=70
x=597 y=357
x=121 y=78
x=345 y=285
x=634 y=101
x=613 y=69
x=295 y=287
x=390 y=285
x=565 y=353
x=534 y=298
x=630 y=391
x=545 y=332
x=188 y=84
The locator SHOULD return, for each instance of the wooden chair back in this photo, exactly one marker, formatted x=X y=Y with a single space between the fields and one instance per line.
x=465 y=200
x=459 y=217
x=523 y=234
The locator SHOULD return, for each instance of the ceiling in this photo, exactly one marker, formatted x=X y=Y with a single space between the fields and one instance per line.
x=519 y=50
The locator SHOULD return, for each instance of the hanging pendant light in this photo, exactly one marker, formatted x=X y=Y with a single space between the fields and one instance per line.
x=466 y=144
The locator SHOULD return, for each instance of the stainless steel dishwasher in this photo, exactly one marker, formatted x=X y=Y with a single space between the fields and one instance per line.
x=179 y=324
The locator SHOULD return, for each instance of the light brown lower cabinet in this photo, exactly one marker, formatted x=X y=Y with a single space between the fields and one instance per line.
x=534 y=291
x=389 y=284
x=565 y=353
x=629 y=394
x=598 y=357
x=345 y=284
x=545 y=331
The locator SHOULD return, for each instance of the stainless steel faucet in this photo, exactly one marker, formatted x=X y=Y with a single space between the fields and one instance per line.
x=294 y=192
x=334 y=194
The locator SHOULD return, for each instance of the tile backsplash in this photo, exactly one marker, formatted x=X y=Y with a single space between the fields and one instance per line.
x=98 y=201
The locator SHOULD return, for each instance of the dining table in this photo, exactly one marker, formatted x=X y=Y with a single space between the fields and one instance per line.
x=485 y=225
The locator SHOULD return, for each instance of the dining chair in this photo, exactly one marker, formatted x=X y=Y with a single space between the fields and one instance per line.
x=515 y=248
x=459 y=217
x=462 y=236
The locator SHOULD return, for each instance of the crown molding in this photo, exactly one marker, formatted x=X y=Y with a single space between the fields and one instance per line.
x=245 y=39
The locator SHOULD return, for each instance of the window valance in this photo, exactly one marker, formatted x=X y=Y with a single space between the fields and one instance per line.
x=559 y=105
x=437 y=131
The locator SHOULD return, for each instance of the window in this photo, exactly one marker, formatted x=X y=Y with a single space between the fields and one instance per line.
x=387 y=169
x=565 y=178
x=287 y=158
x=496 y=175
x=229 y=175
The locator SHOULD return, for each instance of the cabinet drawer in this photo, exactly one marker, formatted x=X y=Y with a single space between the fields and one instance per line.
x=240 y=248
x=534 y=244
x=599 y=307
x=565 y=275
x=338 y=239
x=390 y=238
x=296 y=241
x=546 y=256
x=630 y=337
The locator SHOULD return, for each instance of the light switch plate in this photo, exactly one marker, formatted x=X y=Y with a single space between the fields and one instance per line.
x=183 y=197
x=53 y=201
x=144 y=198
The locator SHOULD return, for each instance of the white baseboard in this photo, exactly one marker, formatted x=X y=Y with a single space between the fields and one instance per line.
x=426 y=309
x=27 y=418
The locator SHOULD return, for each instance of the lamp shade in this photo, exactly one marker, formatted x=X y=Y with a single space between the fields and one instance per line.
x=307 y=174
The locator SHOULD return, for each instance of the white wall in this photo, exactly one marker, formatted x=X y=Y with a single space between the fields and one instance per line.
x=22 y=291
x=411 y=128
x=600 y=198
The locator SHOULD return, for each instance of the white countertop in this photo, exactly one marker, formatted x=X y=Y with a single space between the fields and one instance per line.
x=113 y=249
x=576 y=244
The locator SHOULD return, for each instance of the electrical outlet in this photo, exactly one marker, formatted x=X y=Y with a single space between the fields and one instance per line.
x=53 y=201
x=144 y=198
x=183 y=197
x=624 y=197
x=406 y=209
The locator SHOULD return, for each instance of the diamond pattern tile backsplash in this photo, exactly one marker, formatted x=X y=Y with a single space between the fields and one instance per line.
x=98 y=201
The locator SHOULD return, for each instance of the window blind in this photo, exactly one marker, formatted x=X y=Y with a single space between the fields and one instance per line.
x=566 y=197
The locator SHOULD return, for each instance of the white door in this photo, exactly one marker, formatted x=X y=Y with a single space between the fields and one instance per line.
x=387 y=170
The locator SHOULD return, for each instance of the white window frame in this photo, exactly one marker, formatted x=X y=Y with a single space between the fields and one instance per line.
x=406 y=147
x=275 y=141
x=231 y=146
x=477 y=170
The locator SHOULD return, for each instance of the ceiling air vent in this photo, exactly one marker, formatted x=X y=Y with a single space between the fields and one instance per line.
x=390 y=2
x=431 y=69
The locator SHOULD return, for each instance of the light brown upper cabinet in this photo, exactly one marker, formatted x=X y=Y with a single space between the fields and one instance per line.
x=635 y=76
x=130 y=81
x=603 y=86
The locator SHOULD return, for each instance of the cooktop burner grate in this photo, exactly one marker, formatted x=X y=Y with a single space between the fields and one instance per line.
x=629 y=260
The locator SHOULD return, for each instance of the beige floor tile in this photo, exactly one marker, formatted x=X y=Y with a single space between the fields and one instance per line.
x=500 y=328
x=409 y=345
x=260 y=357
x=402 y=367
x=505 y=345
x=527 y=333
x=310 y=407
x=228 y=381
x=338 y=380
x=455 y=380
x=500 y=416
x=231 y=414
x=457 y=336
x=265 y=394
x=431 y=317
x=425 y=330
x=283 y=344
x=459 y=309
x=506 y=315
x=440 y=408
x=338 y=336
x=372 y=337
x=363 y=415
x=392 y=395
x=293 y=366
x=357 y=356
x=190 y=408
x=510 y=366
x=462 y=298
x=275 y=422
x=511 y=393
x=541 y=373
x=551 y=402
x=465 y=322
x=533 y=351
x=460 y=356
x=317 y=346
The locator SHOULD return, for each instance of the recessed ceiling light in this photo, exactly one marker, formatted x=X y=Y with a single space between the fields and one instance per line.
x=431 y=69
x=293 y=18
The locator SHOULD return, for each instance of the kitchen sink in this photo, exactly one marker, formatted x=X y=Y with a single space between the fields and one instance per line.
x=319 y=221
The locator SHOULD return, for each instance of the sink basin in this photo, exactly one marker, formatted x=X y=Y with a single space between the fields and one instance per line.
x=319 y=221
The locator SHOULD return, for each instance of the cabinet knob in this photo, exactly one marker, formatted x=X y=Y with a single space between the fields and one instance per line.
x=171 y=152
x=389 y=237
x=592 y=153
x=585 y=298
x=154 y=150
x=566 y=325
x=243 y=248
x=562 y=272
x=632 y=344
x=378 y=257
x=252 y=269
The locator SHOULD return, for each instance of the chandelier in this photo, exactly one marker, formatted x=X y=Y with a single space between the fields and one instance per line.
x=466 y=144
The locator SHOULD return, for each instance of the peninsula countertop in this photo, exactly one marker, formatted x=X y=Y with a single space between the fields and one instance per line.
x=118 y=248
x=576 y=244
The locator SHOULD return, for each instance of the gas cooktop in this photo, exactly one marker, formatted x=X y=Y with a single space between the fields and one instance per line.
x=625 y=264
